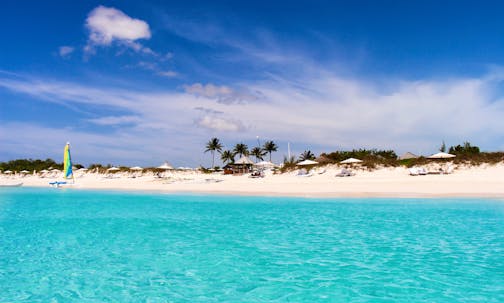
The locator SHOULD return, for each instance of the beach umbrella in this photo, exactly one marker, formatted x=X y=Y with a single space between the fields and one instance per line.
x=264 y=164
x=82 y=169
x=8 y=172
x=24 y=171
x=441 y=155
x=307 y=162
x=113 y=168
x=165 y=166
x=44 y=171
x=351 y=161
x=55 y=170
x=136 y=168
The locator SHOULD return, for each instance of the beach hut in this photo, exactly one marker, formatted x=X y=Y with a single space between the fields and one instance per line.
x=407 y=156
x=242 y=165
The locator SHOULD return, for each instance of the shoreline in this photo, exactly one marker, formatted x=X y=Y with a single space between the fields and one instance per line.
x=327 y=195
x=465 y=182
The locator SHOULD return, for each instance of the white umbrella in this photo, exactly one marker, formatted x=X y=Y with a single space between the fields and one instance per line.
x=441 y=155
x=44 y=171
x=24 y=171
x=8 y=172
x=55 y=170
x=113 y=168
x=351 y=161
x=264 y=164
x=136 y=168
x=307 y=162
x=165 y=166
x=82 y=169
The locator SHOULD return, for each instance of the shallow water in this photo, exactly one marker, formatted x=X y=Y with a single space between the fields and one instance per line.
x=88 y=246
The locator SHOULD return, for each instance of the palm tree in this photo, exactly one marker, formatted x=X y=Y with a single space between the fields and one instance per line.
x=212 y=146
x=269 y=147
x=258 y=152
x=227 y=156
x=307 y=155
x=241 y=149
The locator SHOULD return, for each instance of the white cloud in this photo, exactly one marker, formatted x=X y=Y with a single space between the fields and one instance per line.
x=65 y=51
x=209 y=90
x=107 y=24
x=331 y=113
x=168 y=74
x=223 y=94
x=220 y=124
x=115 y=120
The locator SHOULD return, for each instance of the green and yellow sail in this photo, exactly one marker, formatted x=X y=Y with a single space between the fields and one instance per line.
x=67 y=162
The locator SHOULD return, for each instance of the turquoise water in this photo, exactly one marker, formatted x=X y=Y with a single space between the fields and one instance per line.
x=86 y=246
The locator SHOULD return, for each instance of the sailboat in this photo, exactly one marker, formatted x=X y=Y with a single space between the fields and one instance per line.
x=67 y=163
x=67 y=167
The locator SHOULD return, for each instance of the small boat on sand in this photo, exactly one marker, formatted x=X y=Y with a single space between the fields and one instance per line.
x=12 y=184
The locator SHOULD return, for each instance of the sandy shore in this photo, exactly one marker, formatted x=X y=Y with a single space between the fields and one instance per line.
x=482 y=181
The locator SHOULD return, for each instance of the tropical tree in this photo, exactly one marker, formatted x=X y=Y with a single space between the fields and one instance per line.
x=241 y=149
x=212 y=146
x=227 y=156
x=307 y=155
x=269 y=147
x=258 y=153
x=442 y=148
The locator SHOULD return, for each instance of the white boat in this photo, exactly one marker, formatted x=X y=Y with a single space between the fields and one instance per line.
x=12 y=184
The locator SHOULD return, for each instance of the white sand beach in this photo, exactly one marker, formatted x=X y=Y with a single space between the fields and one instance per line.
x=481 y=181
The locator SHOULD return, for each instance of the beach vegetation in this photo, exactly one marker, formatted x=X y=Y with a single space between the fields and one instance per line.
x=30 y=164
x=442 y=148
x=227 y=157
x=288 y=163
x=213 y=146
x=258 y=153
x=307 y=155
x=370 y=157
x=269 y=147
x=466 y=149
x=241 y=149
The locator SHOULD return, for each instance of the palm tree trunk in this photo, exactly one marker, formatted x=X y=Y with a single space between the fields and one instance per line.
x=213 y=158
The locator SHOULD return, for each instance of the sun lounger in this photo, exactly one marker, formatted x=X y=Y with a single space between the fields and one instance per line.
x=413 y=171
x=448 y=170
x=303 y=173
x=345 y=173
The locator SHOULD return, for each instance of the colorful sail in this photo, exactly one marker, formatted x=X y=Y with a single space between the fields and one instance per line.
x=67 y=162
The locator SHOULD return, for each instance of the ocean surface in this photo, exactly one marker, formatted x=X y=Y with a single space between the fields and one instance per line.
x=60 y=245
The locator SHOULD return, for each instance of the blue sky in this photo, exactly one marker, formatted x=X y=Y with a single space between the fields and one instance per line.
x=137 y=83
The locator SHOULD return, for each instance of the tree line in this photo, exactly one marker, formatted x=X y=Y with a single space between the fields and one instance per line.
x=240 y=149
x=32 y=164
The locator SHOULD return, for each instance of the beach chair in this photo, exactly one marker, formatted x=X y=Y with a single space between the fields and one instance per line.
x=422 y=171
x=345 y=173
x=413 y=171
x=303 y=173
x=323 y=171
x=449 y=170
